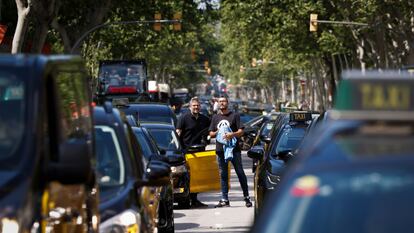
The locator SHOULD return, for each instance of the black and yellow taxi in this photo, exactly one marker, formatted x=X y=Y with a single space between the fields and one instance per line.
x=356 y=173
x=287 y=134
x=46 y=152
x=167 y=140
x=125 y=178
x=163 y=201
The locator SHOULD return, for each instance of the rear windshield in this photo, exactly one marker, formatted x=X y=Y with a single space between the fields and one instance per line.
x=12 y=121
x=123 y=75
x=375 y=200
x=151 y=115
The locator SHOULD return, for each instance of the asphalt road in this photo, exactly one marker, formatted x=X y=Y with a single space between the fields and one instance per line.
x=236 y=218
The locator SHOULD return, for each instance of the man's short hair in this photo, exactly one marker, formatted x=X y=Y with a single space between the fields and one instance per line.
x=194 y=99
x=225 y=97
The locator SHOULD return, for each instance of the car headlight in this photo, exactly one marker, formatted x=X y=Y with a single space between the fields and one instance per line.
x=272 y=179
x=179 y=169
x=9 y=225
x=127 y=221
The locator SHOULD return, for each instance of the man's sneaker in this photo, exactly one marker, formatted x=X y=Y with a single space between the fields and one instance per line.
x=222 y=203
x=248 y=202
x=197 y=204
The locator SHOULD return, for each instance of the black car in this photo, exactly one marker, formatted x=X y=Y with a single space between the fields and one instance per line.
x=355 y=173
x=46 y=150
x=264 y=134
x=252 y=128
x=165 y=201
x=271 y=160
x=148 y=112
x=125 y=178
x=168 y=140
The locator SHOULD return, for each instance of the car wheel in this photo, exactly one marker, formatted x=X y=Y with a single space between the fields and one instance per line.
x=167 y=217
x=185 y=204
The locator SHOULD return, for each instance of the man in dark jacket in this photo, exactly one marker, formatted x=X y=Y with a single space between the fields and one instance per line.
x=189 y=128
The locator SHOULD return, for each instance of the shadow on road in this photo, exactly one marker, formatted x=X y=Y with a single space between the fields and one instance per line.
x=179 y=215
x=185 y=226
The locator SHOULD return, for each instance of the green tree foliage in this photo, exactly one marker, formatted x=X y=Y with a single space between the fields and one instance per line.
x=278 y=31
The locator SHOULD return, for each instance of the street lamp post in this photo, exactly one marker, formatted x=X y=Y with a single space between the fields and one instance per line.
x=77 y=43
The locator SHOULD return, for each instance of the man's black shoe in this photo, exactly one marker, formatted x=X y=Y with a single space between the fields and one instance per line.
x=222 y=203
x=248 y=202
x=197 y=204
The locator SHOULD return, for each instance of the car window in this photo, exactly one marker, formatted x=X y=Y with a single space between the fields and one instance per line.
x=147 y=149
x=165 y=139
x=373 y=200
x=267 y=128
x=110 y=163
x=12 y=112
x=74 y=104
x=290 y=138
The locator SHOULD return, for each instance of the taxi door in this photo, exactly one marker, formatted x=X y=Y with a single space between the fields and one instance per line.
x=204 y=171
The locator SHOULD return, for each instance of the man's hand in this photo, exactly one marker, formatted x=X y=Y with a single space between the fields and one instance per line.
x=213 y=134
x=228 y=136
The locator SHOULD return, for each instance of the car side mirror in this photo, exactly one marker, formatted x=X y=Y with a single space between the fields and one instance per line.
x=256 y=152
x=196 y=148
x=74 y=163
x=157 y=174
x=252 y=134
x=265 y=138
x=285 y=155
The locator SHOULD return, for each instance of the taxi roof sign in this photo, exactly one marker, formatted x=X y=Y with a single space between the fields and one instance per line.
x=385 y=95
x=300 y=116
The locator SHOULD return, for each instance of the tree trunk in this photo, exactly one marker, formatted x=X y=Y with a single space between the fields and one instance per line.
x=21 y=27
x=44 y=12
x=64 y=34
x=40 y=36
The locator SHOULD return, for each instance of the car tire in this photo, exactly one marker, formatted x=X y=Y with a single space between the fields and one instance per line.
x=185 y=204
x=167 y=213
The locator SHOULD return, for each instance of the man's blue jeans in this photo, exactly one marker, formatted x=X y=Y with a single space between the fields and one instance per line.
x=224 y=173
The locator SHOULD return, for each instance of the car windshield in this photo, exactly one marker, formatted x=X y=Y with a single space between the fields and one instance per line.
x=372 y=200
x=147 y=149
x=290 y=138
x=166 y=139
x=110 y=164
x=12 y=118
x=267 y=128
x=123 y=75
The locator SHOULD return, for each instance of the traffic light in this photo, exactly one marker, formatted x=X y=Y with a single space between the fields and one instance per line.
x=177 y=25
x=157 y=26
x=313 y=23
